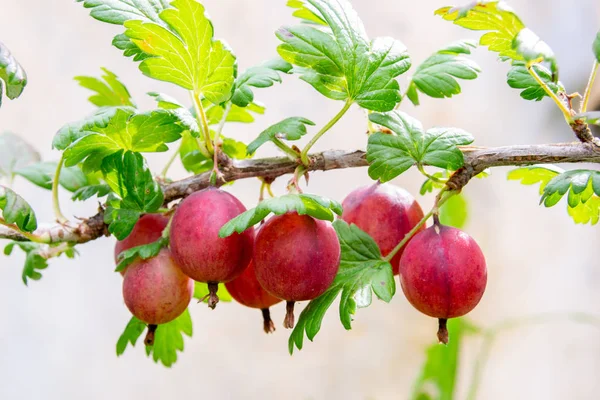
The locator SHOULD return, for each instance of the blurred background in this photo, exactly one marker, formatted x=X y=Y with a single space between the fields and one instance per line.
x=57 y=336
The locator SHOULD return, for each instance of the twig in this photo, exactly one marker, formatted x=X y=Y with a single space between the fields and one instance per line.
x=477 y=159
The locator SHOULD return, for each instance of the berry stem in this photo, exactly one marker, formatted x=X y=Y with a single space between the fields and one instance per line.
x=268 y=324
x=407 y=237
x=441 y=197
x=338 y=116
x=442 y=332
x=288 y=322
x=149 y=340
x=294 y=185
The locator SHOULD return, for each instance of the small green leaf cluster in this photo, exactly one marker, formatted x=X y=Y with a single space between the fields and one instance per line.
x=304 y=204
x=168 y=338
x=436 y=76
x=508 y=36
x=36 y=257
x=390 y=155
x=11 y=74
x=582 y=188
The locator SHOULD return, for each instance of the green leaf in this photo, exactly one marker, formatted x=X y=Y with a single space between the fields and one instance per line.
x=519 y=78
x=341 y=62
x=165 y=101
x=454 y=212
x=168 y=339
x=261 y=76
x=588 y=212
x=192 y=159
x=292 y=128
x=110 y=91
x=73 y=131
x=437 y=379
x=34 y=262
x=183 y=116
x=309 y=204
x=234 y=149
x=122 y=42
x=362 y=270
x=533 y=49
x=87 y=192
x=436 y=75
x=580 y=185
x=591 y=117
x=119 y=11
x=391 y=155
x=143 y=252
x=36 y=257
x=534 y=174
x=305 y=12
x=15 y=153
x=130 y=335
x=596 y=47
x=214 y=113
x=187 y=57
x=582 y=188
x=15 y=210
x=129 y=177
x=12 y=74
x=496 y=17
x=201 y=292
x=42 y=175
x=147 y=132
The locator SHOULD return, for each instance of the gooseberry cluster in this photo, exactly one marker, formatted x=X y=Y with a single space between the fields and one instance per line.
x=295 y=257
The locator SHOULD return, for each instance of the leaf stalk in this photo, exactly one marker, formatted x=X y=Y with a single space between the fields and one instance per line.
x=334 y=120
x=566 y=112
x=588 y=89
x=55 y=200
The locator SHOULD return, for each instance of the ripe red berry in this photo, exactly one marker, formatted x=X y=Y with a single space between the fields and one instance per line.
x=384 y=211
x=443 y=274
x=196 y=245
x=156 y=291
x=246 y=290
x=296 y=257
x=148 y=229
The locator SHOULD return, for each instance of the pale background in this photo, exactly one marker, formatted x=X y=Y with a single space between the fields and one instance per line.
x=57 y=336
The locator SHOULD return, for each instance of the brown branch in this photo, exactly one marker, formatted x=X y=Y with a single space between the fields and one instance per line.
x=477 y=159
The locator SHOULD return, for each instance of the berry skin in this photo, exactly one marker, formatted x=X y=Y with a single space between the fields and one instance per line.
x=195 y=242
x=246 y=290
x=296 y=258
x=155 y=290
x=443 y=274
x=148 y=229
x=385 y=212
